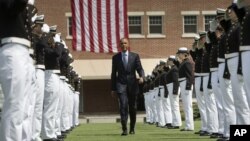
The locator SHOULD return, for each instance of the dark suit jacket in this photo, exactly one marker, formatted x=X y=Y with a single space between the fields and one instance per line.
x=124 y=79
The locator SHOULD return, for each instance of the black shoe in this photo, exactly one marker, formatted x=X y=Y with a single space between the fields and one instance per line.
x=132 y=132
x=223 y=139
x=215 y=135
x=173 y=127
x=186 y=129
x=54 y=139
x=198 y=132
x=124 y=133
x=205 y=133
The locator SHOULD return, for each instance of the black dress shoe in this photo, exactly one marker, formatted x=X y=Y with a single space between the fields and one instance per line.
x=173 y=127
x=205 y=133
x=54 y=139
x=124 y=133
x=198 y=132
x=131 y=132
x=186 y=129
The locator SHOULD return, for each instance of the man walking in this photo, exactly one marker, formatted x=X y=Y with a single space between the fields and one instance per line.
x=124 y=83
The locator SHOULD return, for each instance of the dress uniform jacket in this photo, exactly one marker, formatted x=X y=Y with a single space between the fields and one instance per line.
x=172 y=77
x=213 y=55
x=52 y=55
x=40 y=45
x=245 y=30
x=185 y=71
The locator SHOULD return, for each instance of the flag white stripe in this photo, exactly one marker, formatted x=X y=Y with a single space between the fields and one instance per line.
x=94 y=24
x=121 y=19
x=78 y=26
x=86 y=25
x=113 y=27
x=104 y=27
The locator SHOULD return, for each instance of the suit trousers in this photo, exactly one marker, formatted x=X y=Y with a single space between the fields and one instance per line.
x=166 y=108
x=239 y=93
x=211 y=109
x=246 y=75
x=76 y=109
x=219 y=100
x=37 y=118
x=201 y=103
x=50 y=103
x=127 y=104
x=71 y=107
x=175 y=107
x=16 y=77
x=186 y=96
x=228 y=101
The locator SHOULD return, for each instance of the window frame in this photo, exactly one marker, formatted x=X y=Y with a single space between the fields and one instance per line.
x=141 y=14
x=189 y=13
x=156 y=13
x=68 y=15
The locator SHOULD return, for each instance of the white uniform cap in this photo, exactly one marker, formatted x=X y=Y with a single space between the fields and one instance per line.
x=197 y=37
x=182 y=50
x=39 y=19
x=31 y=2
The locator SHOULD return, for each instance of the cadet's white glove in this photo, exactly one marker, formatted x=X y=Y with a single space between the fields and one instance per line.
x=31 y=2
x=213 y=25
x=45 y=28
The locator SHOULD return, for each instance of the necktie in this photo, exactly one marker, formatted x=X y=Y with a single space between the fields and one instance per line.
x=125 y=61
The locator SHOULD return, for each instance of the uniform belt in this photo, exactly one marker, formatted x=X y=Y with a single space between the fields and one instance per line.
x=161 y=86
x=221 y=60
x=197 y=74
x=213 y=69
x=181 y=79
x=204 y=74
x=245 y=48
x=17 y=40
x=54 y=71
x=62 y=77
x=231 y=55
x=40 y=66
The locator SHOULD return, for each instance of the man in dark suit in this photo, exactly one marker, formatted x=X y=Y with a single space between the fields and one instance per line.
x=125 y=84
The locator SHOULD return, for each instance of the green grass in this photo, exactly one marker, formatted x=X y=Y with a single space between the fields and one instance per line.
x=144 y=132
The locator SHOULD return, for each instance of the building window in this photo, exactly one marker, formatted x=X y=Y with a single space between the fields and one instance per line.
x=207 y=19
x=69 y=26
x=155 y=24
x=190 y=24
x=135 y=25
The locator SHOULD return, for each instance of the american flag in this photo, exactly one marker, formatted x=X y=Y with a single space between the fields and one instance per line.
x=98 y=25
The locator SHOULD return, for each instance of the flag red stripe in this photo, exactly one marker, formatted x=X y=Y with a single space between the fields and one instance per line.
x=91 y=36
x=73 y=28
x=99 y=27
x=125 y=18
x=82 y=25
x=117 y=18
x=109 y=36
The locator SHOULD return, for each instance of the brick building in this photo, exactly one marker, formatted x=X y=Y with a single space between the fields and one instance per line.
x=157 y=28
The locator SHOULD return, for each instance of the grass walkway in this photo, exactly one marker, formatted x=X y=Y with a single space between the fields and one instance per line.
x=144 y=132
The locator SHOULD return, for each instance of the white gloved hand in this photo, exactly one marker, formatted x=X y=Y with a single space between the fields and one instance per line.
x=45 y=28
x=207 y=39
x=57 y=38
x=213 y=25
x=242 y=3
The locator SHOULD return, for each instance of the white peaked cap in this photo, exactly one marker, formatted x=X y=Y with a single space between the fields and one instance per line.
x=39 y=19
x=57 y=38
x=172 y=57
x=45 y=28
x=197 y=37
x=31 y=2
